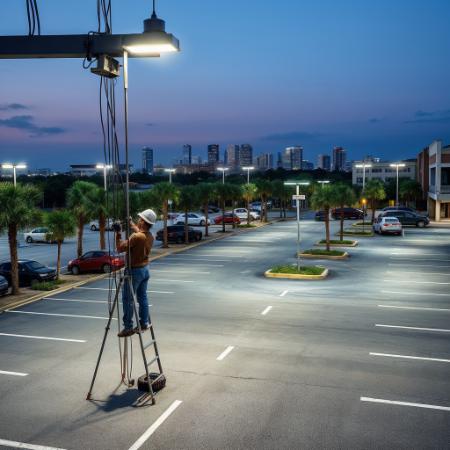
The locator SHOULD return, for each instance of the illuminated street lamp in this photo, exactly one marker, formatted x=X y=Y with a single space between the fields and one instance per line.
x=223 y=170
x=397 y=165
x=297 y=185
x=170 y=172
x=105 y=168
x=248 y=172
x=322 y=182
x=14 y=167
x=363 y=167
x=364 y=203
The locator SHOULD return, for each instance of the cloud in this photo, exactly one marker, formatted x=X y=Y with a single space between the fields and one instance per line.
x=440 y=116
x=291 y=136
x=12 y=106
x=26 y=123
x=150 y=124
x=375 y=120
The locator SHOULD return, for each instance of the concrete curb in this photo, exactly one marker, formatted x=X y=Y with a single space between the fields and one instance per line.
x=356 y=233
x=333 y=257
x=296 y=276
x=319 y=244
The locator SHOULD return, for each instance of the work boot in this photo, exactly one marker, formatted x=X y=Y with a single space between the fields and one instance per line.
x=126 y=332
x=144 y=327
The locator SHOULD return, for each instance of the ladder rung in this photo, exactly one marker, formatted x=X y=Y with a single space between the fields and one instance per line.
x=157 y=378
x=152 y=342
x=153 y=360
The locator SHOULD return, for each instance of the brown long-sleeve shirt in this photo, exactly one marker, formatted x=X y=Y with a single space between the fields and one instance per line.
x=139 y=245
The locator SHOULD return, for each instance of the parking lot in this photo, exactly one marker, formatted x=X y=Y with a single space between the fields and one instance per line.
x=359 y=360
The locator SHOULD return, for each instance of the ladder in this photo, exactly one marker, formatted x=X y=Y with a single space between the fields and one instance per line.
x=150 y=382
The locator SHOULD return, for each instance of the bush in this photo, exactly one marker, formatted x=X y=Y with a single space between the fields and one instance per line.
x=317 y=251
x=46 y=285
x=246 y=225
x=337 y=241
x=304 y=270
x=358 y=232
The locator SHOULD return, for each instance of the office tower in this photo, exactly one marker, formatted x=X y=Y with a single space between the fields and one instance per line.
x=213 y=153
x=147 y=160
x=246 y=155
x=187 y=154
x=307 y=165
x=232 y=156
x=196 y=159
x=279 y=160
x=324 y=162
x=264 y=161
x=339 y=158
x=292 y=158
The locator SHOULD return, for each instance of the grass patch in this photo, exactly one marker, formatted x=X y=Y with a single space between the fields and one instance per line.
x=337 y=241
x=304 y=270
x=46 y=285
x=318 y=251
x=246 y=225
x=358 y=232
x=362 y=224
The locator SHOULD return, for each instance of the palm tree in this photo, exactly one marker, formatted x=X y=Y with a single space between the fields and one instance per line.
x=374 y=191
x=324 y=198
x=223 y=193
x=61 y=224
x=410 y=190
x=205 y=192
x=187 y=201
x=283 y=194
x=248 y=194
x=163 y=192
x=18 y=210
x=80 y=201
x=344 y=196
x=236 y=195
x=264 y=188
x=100 y=210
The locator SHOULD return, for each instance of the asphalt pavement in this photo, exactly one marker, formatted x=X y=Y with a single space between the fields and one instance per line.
x=359 y=360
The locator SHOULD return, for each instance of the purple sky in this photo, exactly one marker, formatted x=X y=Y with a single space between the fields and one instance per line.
x=370 y=76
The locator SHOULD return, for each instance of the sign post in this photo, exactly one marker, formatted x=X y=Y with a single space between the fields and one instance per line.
x=297 y=197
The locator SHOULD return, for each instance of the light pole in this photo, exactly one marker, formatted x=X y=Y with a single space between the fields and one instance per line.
x=397 y=165
x=363 y=167
x=170 y=172
x=297 y=185
x=105 y=168
x=14 y=167
x=322 y=182
x=364 y=202
x=248 y=172
x=223 y=170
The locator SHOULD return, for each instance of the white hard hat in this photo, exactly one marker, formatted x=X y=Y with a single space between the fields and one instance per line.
x=148 y=216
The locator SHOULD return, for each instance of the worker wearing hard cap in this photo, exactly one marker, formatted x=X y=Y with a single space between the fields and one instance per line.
x=138 y=248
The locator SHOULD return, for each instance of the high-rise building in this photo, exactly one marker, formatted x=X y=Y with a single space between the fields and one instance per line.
x=307 y=165
x=324 y=162
x=264 y=161
x=196 y=159
x=292 y=158
x=246 y=155
x=339 y=158
x=187 y=154
x=231 y=157
x=213 y=153
x=147 y=160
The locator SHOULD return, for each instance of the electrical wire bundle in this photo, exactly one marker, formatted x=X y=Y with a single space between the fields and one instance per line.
x=33 y=17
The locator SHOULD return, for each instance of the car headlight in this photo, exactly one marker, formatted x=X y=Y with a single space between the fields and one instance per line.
x=42 y=275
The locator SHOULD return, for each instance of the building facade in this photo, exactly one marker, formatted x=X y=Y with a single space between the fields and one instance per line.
x=324 y=162
x=292 y=157
x=439 y=181
x=213 y=154
x=264 y=161
x=147 y=160
x=339 y=159
x=186 y=154
x=231 y=158
x=307 y=165
x=381 y=170
x=246 y=155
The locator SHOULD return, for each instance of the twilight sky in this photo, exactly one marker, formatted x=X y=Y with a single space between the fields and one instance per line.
x=373 y=77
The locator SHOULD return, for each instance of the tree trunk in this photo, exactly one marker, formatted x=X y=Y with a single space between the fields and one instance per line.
x=12 y=240
x=165 y=234
x=248 y=211
x=205 y=206
x=58 y=261
x=186 y=231
x=80 y=236
x=223 y=216
x=102 y=227
x=341 y=231
x=233 y=204
x=327 y=229
x=373 y=212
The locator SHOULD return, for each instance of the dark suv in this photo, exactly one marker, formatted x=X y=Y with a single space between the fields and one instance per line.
x=408 y=218
x=29 y=271
x=175 y=233
x=348 y=213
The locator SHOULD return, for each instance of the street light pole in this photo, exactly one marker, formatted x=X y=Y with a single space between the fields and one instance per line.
x=397 y=165
x=14 y=167
x=104 y=167
x=248 y=172
x=363 y=166
x=223 y=170
x=170 y=172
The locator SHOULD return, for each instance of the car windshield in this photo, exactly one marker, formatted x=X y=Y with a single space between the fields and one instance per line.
x=34 y=265
x=391 y=219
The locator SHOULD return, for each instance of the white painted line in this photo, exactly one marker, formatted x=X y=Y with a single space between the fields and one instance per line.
x=57 y=315
x=419 y=259
x=390 y=355
x=45 y=338
x=179 y=271
x=163 y=280
x=419 y=308
x=14 y=444
x=199 y=259
x=416 y=282
x=225 y=353
x=191 y=264
x=284 y=293
x=76 y=300
x=440 y=266
x=414 y=253
x=113 y=289
x=17 y=374
x=161 y=419
x=393 y=402
x=266 y=310
x=439 y=330
x=388 y=272
x=212 y=256
x=415 y=293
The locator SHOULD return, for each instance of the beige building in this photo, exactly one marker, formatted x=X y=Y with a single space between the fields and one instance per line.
x=439 y=181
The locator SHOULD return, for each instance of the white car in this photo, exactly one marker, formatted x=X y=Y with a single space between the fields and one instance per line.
x=37 y=235
x=242 y=214
x=387 y=225
x=94 y=225
x=193 y=219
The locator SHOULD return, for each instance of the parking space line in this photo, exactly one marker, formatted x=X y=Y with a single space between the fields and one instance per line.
x=438 y=330
x=415 y=293
x=390 y=355
x=284 y=293
x=394 y=402
x=77 y=316
x=198 y=259
x=161 y=419
x=16 y=374
x=14 y=444
x=416 y=282
x=220 y=255
x=419 y=259
x=266 y=310
x=419 y=308
x=163 y=280
x=45 y=338
x=184 y=265
x=113 y=289
x=180 y=271
x=440 y=266
x=75 y=300
x=388 y=272
x=225 y=353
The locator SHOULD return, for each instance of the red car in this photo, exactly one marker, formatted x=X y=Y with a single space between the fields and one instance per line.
x=99 y=260
x=227 y=218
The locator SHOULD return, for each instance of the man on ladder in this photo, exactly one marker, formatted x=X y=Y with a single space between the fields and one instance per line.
x=138 y=248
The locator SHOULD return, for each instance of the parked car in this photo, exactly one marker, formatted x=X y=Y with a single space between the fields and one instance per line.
x=408 y=218
x=256 y=206
x=3 y=285
x=389 y=225
x=211 y=209
x=242 y=214
x=227 y=218
x=320 y=215
x=29 y=271
x=193 y=219
x=348 y=213
x=400 y=208
x=38 y=235
x=175 y=233
x=99 y=260
x=94 y=225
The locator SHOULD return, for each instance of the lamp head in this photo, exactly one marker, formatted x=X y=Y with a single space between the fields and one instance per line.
x=7 y=166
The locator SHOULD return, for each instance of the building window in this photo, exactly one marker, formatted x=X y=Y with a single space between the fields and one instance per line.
x=359 y=180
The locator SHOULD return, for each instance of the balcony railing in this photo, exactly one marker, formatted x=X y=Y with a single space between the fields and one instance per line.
x=445 y=189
